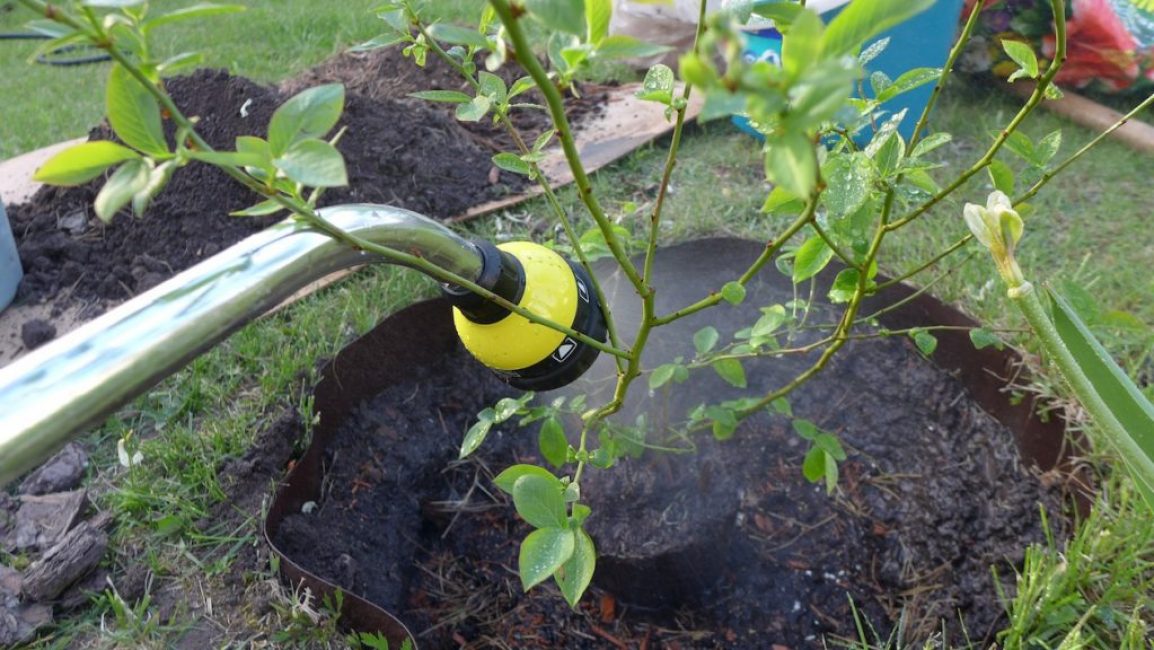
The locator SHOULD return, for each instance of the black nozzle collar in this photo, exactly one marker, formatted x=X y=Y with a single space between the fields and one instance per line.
x=500 y=273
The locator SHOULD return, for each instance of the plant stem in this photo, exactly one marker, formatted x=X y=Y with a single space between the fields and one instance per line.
x=771 y=249
x=1035 y=98
x=554 y=101
x=542 y=181
x=671 y=158
x=1026 y=297
x=1051 y=173
x=955 y=52
x=956 y=246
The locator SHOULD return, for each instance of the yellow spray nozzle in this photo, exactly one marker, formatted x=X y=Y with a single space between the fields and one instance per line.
x=525 y=354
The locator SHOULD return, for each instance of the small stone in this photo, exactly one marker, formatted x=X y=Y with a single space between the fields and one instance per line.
x=44 y=520
x=36 y=332
x=61 y=473
x=11 y=581
x=76 y=223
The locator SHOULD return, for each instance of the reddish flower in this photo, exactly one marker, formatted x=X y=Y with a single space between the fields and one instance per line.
x=1098 y=47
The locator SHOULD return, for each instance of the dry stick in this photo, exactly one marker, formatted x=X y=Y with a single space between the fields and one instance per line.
x=1035 y=98
x=542 y=182
x=101 y=40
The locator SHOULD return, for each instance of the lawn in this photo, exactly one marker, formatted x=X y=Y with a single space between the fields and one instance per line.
x=1088 y=233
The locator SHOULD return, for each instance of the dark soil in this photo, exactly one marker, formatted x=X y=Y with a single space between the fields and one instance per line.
x=399 y=151
x=726 y=548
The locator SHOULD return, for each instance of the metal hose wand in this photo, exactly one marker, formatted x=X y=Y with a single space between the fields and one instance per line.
x=56 y=392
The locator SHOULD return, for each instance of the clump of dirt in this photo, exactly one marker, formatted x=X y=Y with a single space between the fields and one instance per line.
x=743 y=552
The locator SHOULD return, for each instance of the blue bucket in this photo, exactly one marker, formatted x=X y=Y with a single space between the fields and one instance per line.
x=10 y=271
x=921 y=42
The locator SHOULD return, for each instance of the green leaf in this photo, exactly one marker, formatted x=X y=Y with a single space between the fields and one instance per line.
x=561 y=15
x=849 y=180
x=1022 y=146
x=731 y=371
x=1023 y=55
x=860 y=22
x=383 y=40
x=447 y=96
x=831 y=473
x=658 y=85
x=813 y=467
x=475 y=109
x=314 y=163
x=781 y=405
x=576 y=573
x=781 y=13
x=812 y=257
x=230 y=158
x=661 y=375
x=844 y=286
x=180 y=62
x=1001 y=176
x=597 y=15
x=1122 y=397
x=458 y=35
x=724 y=421
x=621 y=46
x=1047 y=148
x=984 y=338
x=262 y=209
x=790 y=161
x=705 y=339
x=477 y=434
x=506 y=408
x=158 y=177
x=542 y=553
x=733 y=293
x=199 y=10
x=806 y=429
x=802 y=46
x=552 y=442
x=908 y=81
x=929 y=143
x=508 y=478
x=492 y=87
x=511 y=162
x=925 y=341
x=771 y=318
x=125 y=182
x=134 y=113
x=540 y=501
x=308 y=114
x=543 y=139
x=82 y=163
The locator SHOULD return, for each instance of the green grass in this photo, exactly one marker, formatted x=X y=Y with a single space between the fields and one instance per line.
x=1088 y=233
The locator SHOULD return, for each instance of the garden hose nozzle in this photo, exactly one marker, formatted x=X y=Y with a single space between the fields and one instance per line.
x=527 y=355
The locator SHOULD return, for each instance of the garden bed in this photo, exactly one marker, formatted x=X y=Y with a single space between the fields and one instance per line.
x=728 y=547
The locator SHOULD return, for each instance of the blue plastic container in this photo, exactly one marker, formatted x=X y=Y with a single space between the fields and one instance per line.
x=10 y=270
x=921 y=42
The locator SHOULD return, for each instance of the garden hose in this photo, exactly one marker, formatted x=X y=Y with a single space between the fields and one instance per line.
x=68 y=55
x=527 y=355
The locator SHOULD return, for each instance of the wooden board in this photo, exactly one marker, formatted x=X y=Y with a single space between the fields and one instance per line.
x=626 y=124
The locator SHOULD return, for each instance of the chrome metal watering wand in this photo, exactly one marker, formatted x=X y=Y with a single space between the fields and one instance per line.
x=58 y=391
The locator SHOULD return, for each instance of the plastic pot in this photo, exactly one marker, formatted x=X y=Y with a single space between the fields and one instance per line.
x=10 y=269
